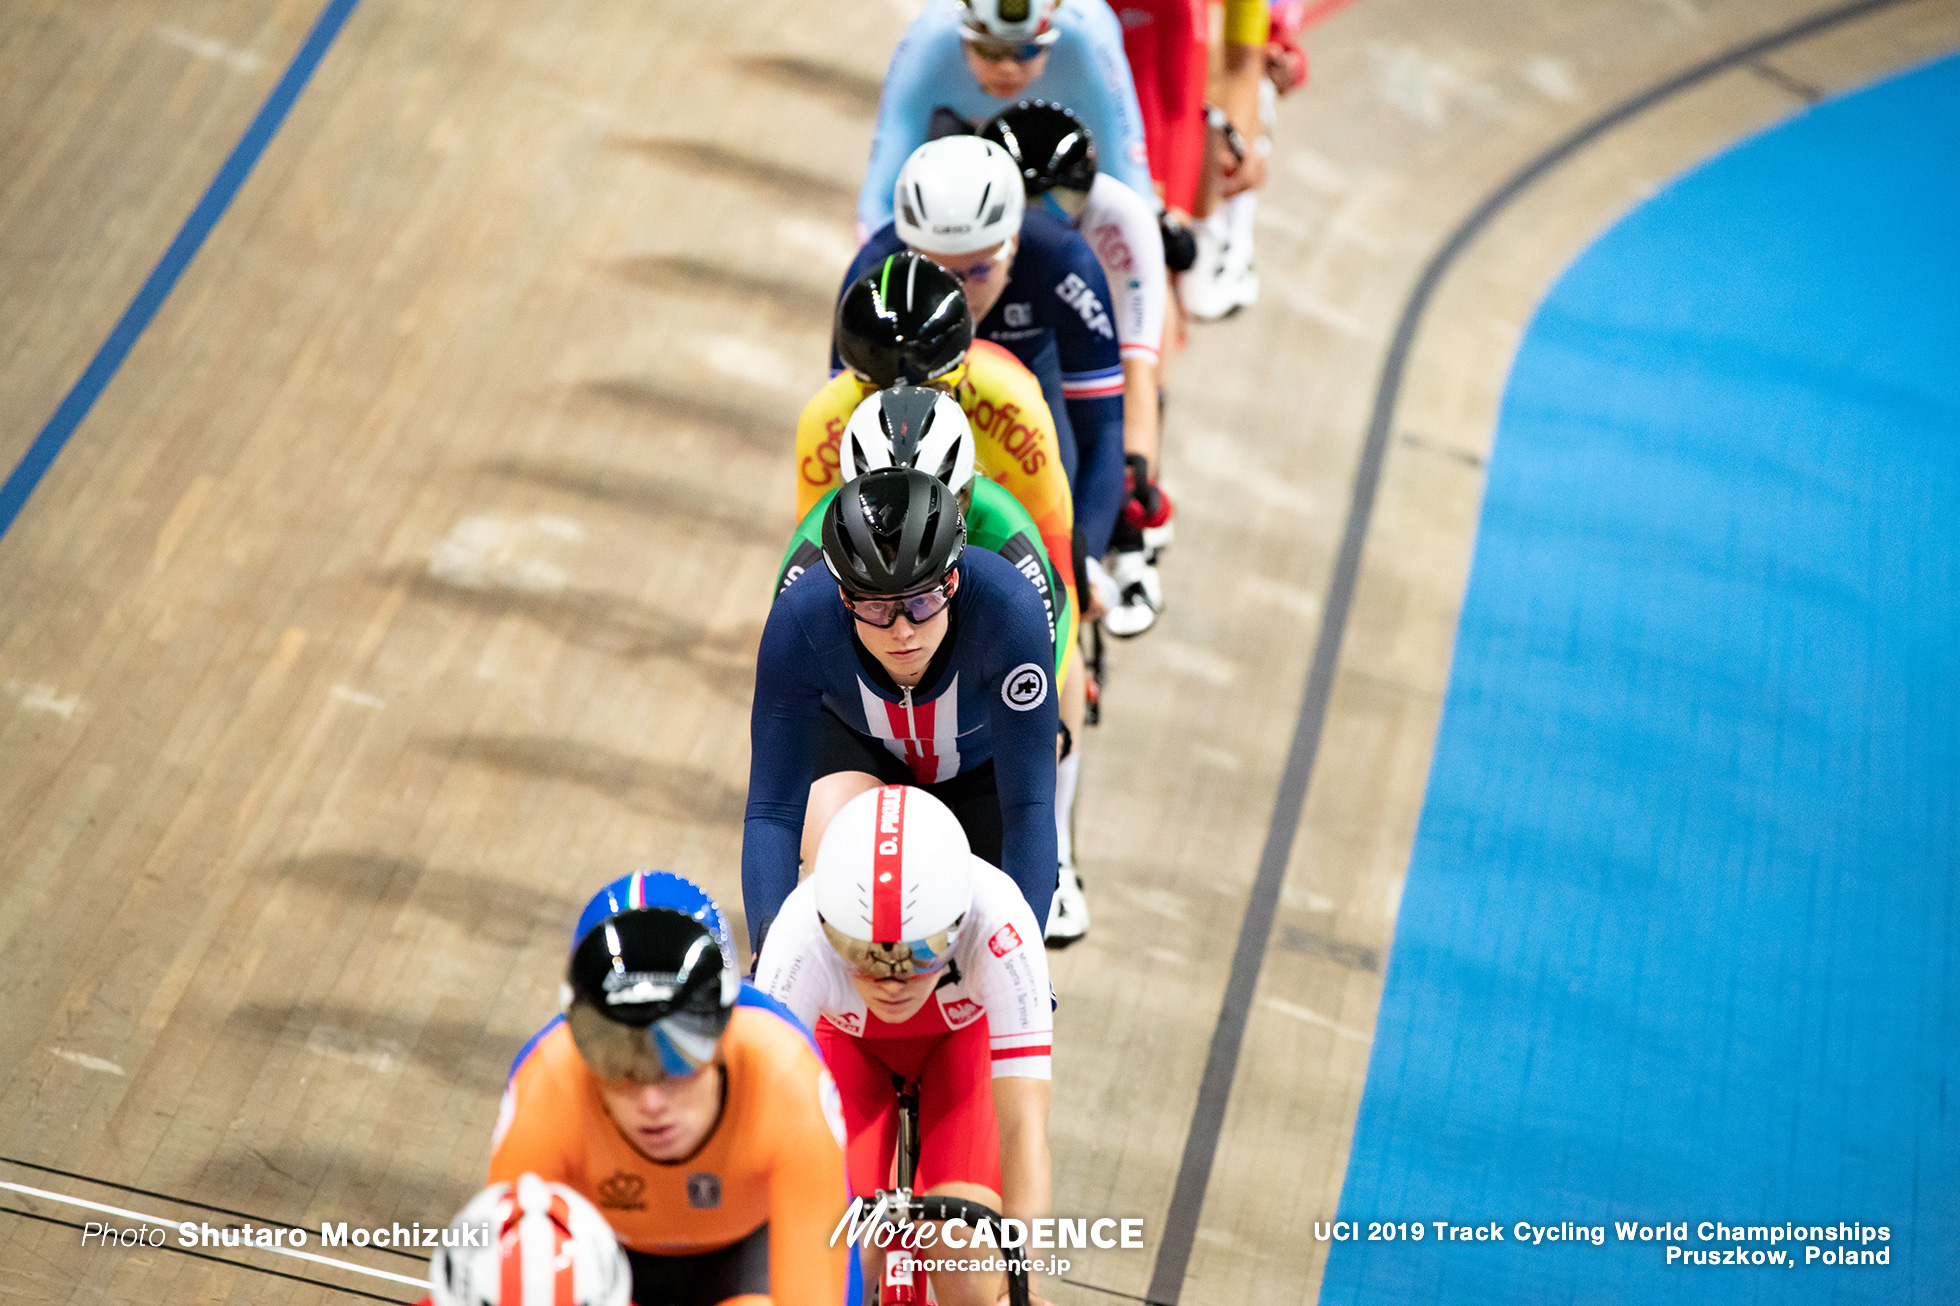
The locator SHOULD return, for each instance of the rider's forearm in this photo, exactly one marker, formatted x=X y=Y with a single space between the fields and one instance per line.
x=1238 y=95
x=1021 y=1105
x=1238 y=88
x=1024 y=1174
x=782 y=724
x=1028 y=847
x=1140 y=408
x=1099 y=433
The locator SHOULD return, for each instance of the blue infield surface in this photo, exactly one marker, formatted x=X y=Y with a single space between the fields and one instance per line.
x=1681 y=939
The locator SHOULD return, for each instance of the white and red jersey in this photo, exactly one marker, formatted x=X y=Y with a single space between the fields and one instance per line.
x=999 y=959
x=1121 y=227
x=923 y=733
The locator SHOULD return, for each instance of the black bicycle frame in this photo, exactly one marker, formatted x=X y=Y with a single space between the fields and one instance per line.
x=947 y=1208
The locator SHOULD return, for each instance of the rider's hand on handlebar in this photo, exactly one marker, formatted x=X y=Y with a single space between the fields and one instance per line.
x=1101 y=596
x=1249 y=174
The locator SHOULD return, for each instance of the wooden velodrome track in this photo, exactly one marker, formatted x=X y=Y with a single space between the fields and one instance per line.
x=403 y=585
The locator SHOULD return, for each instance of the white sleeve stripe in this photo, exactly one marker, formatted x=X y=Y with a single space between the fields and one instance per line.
x=1032 y=1038
x=1025 y=1068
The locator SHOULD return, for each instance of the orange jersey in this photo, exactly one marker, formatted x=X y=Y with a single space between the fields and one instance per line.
x=774 y=1156
x=1014 y=445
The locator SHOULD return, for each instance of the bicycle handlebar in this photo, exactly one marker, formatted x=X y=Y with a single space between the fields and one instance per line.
x=974 y=1213
x=919 y=1207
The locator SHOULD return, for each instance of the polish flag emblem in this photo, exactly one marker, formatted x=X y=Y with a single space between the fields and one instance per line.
x=1005 y=940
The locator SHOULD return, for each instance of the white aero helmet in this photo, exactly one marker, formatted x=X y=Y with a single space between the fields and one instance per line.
x=1014 y=20
x=909 y=426
x=547 y=1246
x=958 y=194
x=894 y=881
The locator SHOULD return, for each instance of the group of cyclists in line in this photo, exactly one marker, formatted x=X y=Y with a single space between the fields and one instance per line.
x=682 y=1135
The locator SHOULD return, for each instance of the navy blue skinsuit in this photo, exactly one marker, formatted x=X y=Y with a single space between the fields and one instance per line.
x=986 y=696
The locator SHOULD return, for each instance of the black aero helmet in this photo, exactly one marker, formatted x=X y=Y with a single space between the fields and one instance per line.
x=1048 y=143
x=648 y=994
x=892 y=532
x=905 y=322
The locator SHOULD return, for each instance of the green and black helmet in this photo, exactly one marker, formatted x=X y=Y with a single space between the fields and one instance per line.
x=905 y=322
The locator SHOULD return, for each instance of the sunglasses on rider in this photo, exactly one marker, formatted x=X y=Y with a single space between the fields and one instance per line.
x=670 y=1048
x=994 y=50
x=916 y=608
x=893 y=961
x=982 y=272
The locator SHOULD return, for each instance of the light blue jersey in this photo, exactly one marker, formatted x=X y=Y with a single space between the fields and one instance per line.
x=1086 y=71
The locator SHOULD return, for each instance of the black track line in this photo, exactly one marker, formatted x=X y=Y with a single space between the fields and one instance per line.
x=1221 y=1061
x=206 y=1256
x=1107 y=1292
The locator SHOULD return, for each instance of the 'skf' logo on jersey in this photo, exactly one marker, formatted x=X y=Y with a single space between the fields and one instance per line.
x=1075 y=292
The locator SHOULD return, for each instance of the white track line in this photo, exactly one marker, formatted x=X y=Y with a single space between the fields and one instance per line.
x=172 y=1224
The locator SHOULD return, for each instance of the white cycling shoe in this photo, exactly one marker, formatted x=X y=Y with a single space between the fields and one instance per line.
x=1140 y=594
x=1068 y=916
x=1222 y=281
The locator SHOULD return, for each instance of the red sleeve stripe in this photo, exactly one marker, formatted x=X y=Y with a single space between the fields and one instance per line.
x=1008 y=1054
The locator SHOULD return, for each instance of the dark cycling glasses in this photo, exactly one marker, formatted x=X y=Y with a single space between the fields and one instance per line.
x=669 y=1048
x=916 y=608
x=980 y=273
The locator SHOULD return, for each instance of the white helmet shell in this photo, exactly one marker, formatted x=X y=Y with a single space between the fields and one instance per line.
x=1013 y=20
x=956 y=195
x=909 y=426
x=562 y=1248
x=894 y=880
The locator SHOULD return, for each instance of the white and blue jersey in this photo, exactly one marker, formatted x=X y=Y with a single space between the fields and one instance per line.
x=985 y=697
x=1056 y=317
x=1087 y=71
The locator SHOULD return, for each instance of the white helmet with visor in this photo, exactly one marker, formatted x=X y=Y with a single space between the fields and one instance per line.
x=894 y=880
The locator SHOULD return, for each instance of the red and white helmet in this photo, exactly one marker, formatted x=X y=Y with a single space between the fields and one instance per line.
x=894 y=881
x=547 y=1246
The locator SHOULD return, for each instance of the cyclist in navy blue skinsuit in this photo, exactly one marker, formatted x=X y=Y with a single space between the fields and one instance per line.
x=905 y=659
x=1036 y=288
